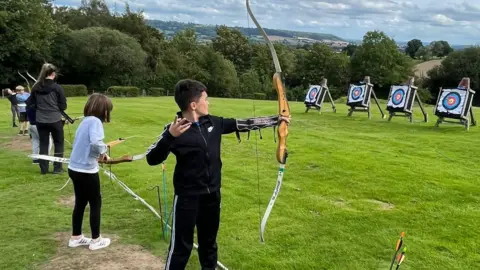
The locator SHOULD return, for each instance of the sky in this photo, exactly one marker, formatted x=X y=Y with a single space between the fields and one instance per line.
x=457 y=22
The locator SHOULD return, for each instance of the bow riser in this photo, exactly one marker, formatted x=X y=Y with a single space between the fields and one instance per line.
x=283 y=110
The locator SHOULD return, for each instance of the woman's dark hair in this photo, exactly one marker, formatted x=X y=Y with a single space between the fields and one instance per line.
x=98 y=105
x=187 y=91
x=47 y=70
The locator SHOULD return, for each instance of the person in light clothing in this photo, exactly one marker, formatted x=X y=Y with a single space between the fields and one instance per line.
x=88 y=149
x=31 y=115
x=22 y=96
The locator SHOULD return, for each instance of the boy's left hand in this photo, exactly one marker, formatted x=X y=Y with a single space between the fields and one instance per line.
x=286 y=119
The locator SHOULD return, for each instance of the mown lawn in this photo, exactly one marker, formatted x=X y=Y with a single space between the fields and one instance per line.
x=350 y=187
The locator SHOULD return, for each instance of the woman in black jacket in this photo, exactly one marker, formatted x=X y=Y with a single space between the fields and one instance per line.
x=49 y=101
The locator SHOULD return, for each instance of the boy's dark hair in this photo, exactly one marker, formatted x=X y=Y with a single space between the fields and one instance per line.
x=187 y=91
x=98 y=105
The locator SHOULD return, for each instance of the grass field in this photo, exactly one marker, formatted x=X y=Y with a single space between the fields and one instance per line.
x=351 y=186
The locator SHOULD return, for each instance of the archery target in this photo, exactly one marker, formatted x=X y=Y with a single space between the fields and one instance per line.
x=313 y=93
x=357 y=93
x=398 y=96
x=452 y=101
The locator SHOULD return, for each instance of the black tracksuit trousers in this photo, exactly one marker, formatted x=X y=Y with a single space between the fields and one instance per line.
x=202 y=211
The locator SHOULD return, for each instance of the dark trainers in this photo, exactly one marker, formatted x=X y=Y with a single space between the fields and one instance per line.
x=35 y=161
x=58 y=171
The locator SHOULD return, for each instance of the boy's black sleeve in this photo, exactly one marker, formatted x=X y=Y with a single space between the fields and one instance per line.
x=158 y=152
x=243 y=125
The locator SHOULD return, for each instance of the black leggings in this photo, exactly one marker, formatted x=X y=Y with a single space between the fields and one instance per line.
x=87 y=190
x=44 y=131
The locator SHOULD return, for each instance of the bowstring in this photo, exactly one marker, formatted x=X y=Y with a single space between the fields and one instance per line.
x=256 y=139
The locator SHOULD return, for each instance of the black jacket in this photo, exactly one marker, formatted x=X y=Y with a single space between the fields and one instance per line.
x=198 y=168
x=49 y=101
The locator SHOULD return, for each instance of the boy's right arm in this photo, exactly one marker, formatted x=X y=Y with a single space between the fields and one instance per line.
x=158 y=152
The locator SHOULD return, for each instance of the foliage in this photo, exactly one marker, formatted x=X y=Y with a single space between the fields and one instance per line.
x=457 y=65
x=379 y=58
x=123 y=91
x=350 y=49
x=413 y=46
x=77 y=90
x=156 y=92
x=26 y=33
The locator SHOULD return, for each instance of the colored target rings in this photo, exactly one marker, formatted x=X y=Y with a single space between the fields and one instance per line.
x=398 y=96
x=313 y=93
x=451 y=101
x=357 y=93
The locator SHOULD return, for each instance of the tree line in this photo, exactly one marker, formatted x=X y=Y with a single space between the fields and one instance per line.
x=99 y=48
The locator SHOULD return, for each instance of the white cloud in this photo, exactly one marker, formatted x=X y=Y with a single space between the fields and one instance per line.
x=443 y=20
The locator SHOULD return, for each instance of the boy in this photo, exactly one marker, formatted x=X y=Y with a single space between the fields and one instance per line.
x=22 y=109
x=195 y=138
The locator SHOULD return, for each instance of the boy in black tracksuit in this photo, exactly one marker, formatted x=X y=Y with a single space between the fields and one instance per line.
x=195 y=138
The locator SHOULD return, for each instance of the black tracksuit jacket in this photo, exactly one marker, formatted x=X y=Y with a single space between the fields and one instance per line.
x=198 y=168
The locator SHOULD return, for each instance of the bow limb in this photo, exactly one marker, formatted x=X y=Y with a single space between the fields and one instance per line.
x=282 y=131
x=28 y=84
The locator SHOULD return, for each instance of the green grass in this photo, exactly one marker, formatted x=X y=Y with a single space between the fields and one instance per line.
x=326 y=216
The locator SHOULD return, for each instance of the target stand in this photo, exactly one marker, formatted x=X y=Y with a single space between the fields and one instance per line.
x=316 y=95
x=456 y=104
x=401 y=100
x=359 y=97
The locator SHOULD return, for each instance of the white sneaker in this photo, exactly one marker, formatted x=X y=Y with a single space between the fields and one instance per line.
x=82 y=241
x=99 y=243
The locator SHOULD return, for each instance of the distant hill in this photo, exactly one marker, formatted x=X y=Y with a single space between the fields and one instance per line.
x=169 y=28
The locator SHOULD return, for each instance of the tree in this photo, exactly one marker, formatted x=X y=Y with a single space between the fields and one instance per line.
x=454 y=67
x=233 y=45
x=379 y=58
x=26 y=33
x=350 y=49
x=424 y=53
x=413 y=46
x=440 y=48
x=102 y=57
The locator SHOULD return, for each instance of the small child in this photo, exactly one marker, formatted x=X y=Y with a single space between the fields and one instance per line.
x=12 y=97
x=89 y=150
x=22 y=109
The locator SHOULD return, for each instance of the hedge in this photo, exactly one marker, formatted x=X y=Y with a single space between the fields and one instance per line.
x=156 y=92
x=123 y=91
x=259 y=95
x=75 y=90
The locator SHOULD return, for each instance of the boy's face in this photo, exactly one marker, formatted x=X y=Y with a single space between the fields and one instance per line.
x=201 y=106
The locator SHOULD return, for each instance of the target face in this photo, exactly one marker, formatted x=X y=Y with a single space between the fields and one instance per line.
x=398 y=96
x=313 y=93
x=451 y=101
x=357 y=93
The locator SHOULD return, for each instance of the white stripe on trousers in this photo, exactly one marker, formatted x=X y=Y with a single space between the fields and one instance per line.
x=172 y=240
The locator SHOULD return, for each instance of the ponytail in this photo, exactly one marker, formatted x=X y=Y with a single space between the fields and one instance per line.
x=47 y=70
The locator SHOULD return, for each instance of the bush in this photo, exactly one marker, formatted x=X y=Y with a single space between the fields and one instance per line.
x=156 y=92
x=259 y=95
x=123 y=91
x=75 y=90
x=425 y=96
